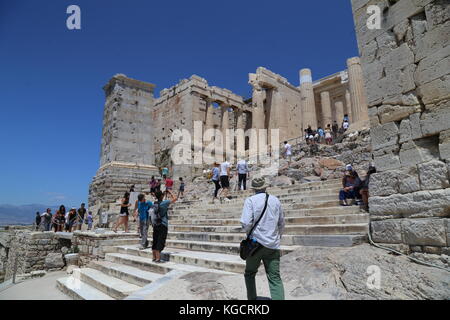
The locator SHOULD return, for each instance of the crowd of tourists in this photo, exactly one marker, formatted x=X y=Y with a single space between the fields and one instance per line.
x=64 y=220
x=328 y=135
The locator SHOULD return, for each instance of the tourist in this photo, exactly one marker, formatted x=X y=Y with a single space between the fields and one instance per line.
x=267 y=233
x=335 y=129
x=181 y=189
x=306 y=135
x=71 y=219
x=158 y=185
x=132 y=188
x=169 y=187
x=153 y=184
x=215 y=179
x=123 y=216
x=364 y=191
x=242 y=170
x=225 y=176
x=328 y=136
x=60 y=219
x=321 y=133
x=143 y=208
x=345 y=125
x=287 y=151
x=46 y=220
x=316 y=136
x=165 y=172
x=89 y=220
x=350 y=182
x=37 y=221
x=309 y=131
x=160 y=224
x=346 y=118
x=80 y=217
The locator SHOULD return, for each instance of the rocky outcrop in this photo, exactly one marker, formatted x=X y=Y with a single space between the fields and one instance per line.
x=327 y=273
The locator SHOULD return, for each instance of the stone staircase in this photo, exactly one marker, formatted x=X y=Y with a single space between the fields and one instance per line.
x=205 y=237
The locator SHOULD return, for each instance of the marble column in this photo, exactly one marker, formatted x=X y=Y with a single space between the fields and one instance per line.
x=357 y=91
x=239 y=119
x=209 y=121
x=327 y=117
x=348 y=105
x=308 y=103
x=258 y=117
x=339 y=112
x=225 y=121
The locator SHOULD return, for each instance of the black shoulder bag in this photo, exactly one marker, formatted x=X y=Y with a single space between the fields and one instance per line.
x=248 y=247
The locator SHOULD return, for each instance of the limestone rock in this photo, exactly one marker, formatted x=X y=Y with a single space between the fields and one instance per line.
x=281 y=181
x=433 y=175
x=387 y=231
x=425 y=232
x=54 y=261
x=330 y=163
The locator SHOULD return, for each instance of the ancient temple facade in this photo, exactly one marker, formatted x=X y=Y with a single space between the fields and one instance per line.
x=137 y=128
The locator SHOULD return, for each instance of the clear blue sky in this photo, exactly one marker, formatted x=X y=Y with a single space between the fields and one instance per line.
x=51 y=96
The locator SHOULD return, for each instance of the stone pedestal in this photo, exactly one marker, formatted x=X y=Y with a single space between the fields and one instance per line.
x=308 y=103
x=357 y=92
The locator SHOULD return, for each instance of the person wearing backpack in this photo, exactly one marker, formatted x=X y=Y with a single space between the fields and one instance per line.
x=263 y=221
x=160 y=223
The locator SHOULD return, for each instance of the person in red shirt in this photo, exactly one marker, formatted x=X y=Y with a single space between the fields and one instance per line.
x=169 y=187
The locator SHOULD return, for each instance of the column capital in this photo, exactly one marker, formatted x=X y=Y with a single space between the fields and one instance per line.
x=305 y=76
x=353 y=61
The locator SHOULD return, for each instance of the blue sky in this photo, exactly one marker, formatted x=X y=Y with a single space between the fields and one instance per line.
x=51 y=78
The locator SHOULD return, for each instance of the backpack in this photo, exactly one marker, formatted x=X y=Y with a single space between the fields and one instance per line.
x=155 y=215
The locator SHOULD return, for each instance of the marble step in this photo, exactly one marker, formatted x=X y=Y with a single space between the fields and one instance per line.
x=311 y=220
x=143 y=261
x=236 y=213
x=286 y=240
x=354 y=228
x=78 y=290
x=112 y=286
x=209 y=260
x=126 y=273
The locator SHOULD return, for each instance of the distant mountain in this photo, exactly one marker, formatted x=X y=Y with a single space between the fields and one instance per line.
x=21 y=215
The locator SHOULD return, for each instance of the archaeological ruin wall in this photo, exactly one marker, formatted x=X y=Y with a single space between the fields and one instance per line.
x=406 y=67
x=126 y=156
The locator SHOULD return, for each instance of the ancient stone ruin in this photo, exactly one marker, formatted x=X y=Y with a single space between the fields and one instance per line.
x=137 y=128
x=406 y=68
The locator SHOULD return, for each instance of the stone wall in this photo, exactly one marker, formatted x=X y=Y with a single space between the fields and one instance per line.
x=31 y=249
x=93 y=245
x=406 y=68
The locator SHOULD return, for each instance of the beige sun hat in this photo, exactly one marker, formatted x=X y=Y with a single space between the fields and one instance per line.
x=259 y=183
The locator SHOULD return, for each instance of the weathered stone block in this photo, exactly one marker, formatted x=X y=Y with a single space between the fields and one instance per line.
x=54 y=260
x=386 y=162
x=437 y=12
x=415 y=248
x=418 y=204
x=426 y=43
x=424 y=232
x=408 y=180
x=387 y=231
x=433 y=175
x=435 y=91
x=419 y=151
x=432 y=250
x=444 y=145
x=384 y=135
x=388 y=113
x=384 y=183
x=433 y=67
x=416 y=130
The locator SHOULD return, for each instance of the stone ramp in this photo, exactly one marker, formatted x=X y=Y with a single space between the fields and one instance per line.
x=205 y=237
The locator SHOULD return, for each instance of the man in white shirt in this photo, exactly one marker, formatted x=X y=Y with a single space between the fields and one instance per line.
x=242 y=170
x=287 y=151
x=268 y=234
x=225 y=179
